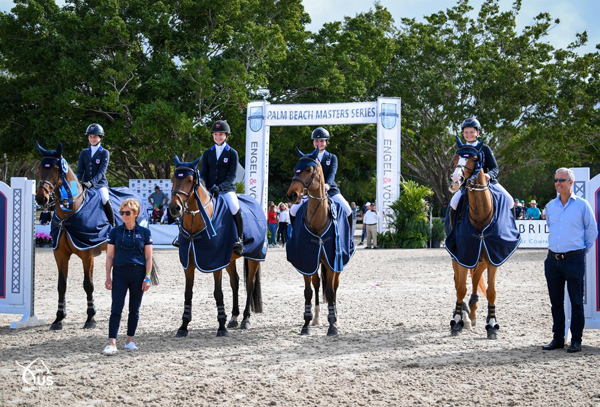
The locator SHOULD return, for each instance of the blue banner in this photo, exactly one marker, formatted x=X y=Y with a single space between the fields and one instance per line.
x=3 y=244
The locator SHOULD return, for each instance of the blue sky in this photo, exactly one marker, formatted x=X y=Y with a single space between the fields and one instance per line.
x=575 y=15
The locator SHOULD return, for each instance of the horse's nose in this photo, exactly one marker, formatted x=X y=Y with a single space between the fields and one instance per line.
x=41 y=200
x=293 y=197
x=175 y=210
x=456 y=177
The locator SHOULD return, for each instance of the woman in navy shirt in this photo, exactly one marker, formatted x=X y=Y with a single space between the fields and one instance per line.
x=129 y=256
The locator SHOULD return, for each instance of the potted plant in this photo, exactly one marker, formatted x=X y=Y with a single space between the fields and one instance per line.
x=437 y=233
x=43 y=240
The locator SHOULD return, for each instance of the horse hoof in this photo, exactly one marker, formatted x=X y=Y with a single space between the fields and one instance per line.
x=181 y=333
x=492 y=335
x=332 y=331
x=454 y=333
x=245 y=325
x=473 y=323
x=305 y=331
x=57 y=326
x=315 y=322
x=222 y=333
x=232 y=324
x=89 y=325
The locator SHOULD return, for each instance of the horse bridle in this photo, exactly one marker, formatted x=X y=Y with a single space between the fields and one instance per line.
x=195 y=185
x=471 y=185
x=51 y=186
x=306 y=190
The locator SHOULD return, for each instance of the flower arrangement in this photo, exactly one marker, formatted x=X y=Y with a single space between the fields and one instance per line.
x=43 y=239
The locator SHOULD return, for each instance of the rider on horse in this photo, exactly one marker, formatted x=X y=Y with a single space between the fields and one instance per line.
x=219 y=167
x=329 y=163
x=471 y=129
x=91 y=169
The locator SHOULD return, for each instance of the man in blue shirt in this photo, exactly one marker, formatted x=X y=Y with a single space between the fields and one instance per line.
x=573 y=230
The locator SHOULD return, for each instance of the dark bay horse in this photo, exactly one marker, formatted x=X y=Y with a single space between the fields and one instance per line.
x=467 y=172
x=54 y=173
x=309 y=181
x=187 y=195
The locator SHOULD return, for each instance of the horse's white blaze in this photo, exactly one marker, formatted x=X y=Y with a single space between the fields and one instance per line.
x=458 y=174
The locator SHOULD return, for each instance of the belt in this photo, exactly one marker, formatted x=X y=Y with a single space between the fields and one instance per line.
x=370 y=224
x=562 y=256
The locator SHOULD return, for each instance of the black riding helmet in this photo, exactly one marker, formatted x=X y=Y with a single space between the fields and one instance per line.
x=95 y=128
x=471 y=122
x=220 y=126
x=320 y=134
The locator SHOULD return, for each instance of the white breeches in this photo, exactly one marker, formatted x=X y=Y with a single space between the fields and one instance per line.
x=458 y=194
x=232 y=202
x=104 y=194
x=337 y=198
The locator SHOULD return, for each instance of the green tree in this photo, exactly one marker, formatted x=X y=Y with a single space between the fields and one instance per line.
x=536 y=104
x=154 y=74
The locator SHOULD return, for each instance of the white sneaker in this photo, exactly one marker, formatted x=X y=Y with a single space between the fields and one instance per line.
x=110 y=350
x=130 y=346
x=277 y=245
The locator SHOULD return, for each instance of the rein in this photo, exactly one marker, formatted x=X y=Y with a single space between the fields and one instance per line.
x=63 y=170
x=201 y=207
x=306 y=190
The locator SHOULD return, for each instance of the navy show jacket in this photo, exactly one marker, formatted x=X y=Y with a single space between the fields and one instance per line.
x=219 y=172
x=93 y=169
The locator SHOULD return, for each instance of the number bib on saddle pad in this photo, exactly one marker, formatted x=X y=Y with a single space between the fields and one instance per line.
x=500 y=238
x=88 y=227
x=304 y=247
x=212 y=253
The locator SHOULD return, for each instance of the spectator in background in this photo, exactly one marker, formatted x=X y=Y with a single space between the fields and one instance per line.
x=353 y=207
x=533 y=212
x=284 y=219
x=370 y=221
x=543 y=216
x=45 y=217
x=518 y=209
x=158 y=198
x=272 y=220
x=363 y=210
x=157 y=214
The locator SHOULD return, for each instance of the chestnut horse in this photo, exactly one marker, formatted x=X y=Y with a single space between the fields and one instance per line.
x=467 y=172
x=54 y=171
x=309 y=181
x=188 y=193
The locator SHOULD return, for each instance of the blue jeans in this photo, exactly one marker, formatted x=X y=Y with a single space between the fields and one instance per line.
x=571 y=271
x=273 y=230
x=126 y=278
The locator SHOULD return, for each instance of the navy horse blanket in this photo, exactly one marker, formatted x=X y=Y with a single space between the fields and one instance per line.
x=88 y=227
x=212 y=246
x=337 y=242
x=500 y=238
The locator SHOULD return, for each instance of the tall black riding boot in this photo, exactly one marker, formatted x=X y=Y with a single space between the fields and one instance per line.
x=238 y=246
x=110 y=214
x=451 y=216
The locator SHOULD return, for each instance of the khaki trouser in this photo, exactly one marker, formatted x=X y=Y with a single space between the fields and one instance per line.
x=372 y=234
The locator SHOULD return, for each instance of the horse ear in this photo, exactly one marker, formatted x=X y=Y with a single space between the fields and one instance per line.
x=480 y=144
x=458 y=142
x=176 y=161
x=314 y=154
x=41 y=149
x=195 y=163
x=59 y=149
x=300 y=153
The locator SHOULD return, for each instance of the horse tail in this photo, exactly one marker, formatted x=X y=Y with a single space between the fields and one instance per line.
x=256 y=301
x=324 y=282
x=154 y=272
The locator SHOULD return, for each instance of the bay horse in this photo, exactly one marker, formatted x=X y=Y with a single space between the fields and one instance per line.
x=309 y=181
x=188 y=195
x=467 y=171
x=54 y=172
